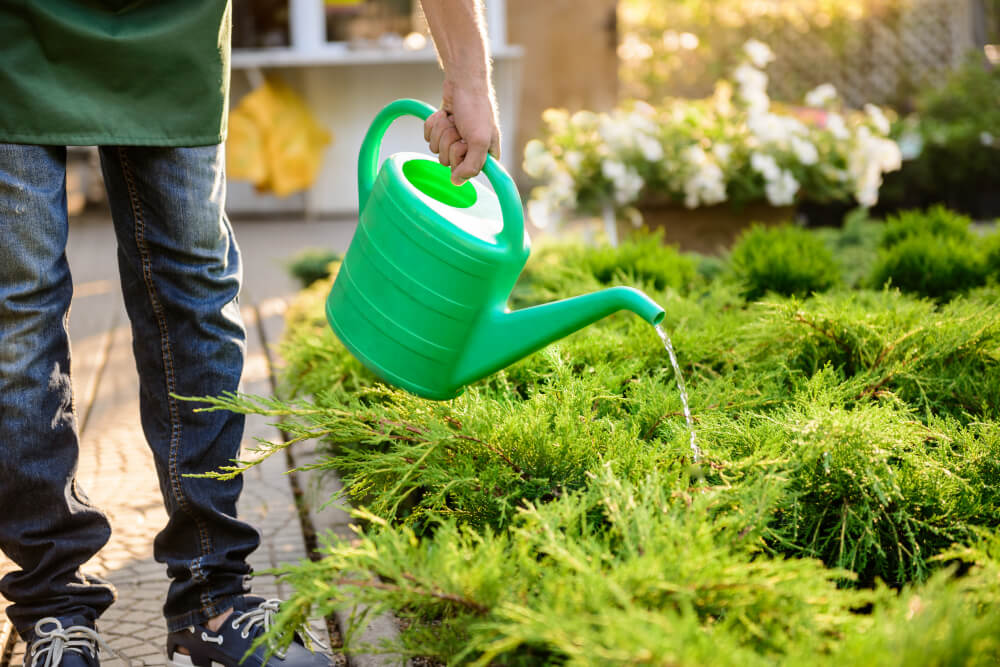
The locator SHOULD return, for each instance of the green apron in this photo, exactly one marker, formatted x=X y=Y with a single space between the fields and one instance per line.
x=119 y=72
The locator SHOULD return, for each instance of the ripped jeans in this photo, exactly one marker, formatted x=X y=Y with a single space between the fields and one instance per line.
x=180 y=276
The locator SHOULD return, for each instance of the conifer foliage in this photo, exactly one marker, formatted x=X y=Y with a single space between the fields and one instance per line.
x=844 y=511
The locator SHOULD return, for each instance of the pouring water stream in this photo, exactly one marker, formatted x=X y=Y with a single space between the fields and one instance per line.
x=695 y=449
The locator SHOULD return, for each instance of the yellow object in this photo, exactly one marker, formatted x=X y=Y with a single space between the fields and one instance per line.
x=274 y=141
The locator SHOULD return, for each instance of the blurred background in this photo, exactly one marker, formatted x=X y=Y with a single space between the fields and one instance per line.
x=929 y=65
x=694 y=119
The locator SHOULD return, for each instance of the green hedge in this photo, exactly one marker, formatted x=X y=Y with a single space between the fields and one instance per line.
x=932 y=253
x=844 y=511
x=786 y=260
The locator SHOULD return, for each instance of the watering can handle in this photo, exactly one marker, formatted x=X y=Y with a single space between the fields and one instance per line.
x=510 y=202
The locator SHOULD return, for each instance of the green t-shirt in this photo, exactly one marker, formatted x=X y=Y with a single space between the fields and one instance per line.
x=128 y=72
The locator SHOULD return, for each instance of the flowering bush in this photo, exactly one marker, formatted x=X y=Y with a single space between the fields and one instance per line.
x=735 y=146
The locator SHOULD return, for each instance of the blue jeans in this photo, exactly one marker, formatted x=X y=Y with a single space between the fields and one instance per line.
x=180 y=275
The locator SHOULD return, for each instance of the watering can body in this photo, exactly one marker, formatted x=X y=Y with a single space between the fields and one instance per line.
x=421 y=296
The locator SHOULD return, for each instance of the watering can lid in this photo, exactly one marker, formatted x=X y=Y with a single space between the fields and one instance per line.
x=473 y=207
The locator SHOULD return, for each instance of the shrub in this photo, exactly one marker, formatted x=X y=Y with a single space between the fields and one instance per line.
x=886 y=345
x=641 y=260
x=311 y=264
x=861 y=495
x=931 y=265
x=937 y=221
x=991 y=249
x=786 y=260
x=854 y=245
x=552 y=515
x=948 y=621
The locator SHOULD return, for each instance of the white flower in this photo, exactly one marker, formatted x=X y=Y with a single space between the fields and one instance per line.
x=613 y=170
x=583 y=119
x=871 y=157
x=614 y=134
x=696 y=156
x=628 y=189
x=722 y=152
x=750 y=79
x=760 y=54
x=878 y=119
x=626 y=180
x=538 y=161
x=650 y=147
x=867 y=186
x=986 y=139
x=887 y=155
x=641 y=122
x=837 y=127
x=757 y=101
x=882 y=152
x=766 y=127
x=539 y=212
x=563 y=189
x=774 y=128
x=805 y=151
x=782 y=190
x=707 y=185
x=821 y=95
x=780 y=185
x=573 y=160
x=765 y=165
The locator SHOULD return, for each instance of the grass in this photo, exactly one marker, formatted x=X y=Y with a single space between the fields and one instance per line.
x=844 y=512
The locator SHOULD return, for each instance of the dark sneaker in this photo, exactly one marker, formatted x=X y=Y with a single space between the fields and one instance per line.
x=249 y=619
x=63 y=642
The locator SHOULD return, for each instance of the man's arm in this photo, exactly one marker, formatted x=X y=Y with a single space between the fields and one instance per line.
x=465 y=128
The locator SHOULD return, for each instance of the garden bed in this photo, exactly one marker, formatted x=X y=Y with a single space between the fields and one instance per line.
x=844 y=511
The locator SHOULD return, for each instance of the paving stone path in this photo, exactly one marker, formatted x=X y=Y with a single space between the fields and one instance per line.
x=116 y=467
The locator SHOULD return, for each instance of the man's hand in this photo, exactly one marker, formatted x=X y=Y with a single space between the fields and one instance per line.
x=465 y=129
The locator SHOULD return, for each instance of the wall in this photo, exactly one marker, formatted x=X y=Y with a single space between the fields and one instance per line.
x=344 y=99
x=570 y=58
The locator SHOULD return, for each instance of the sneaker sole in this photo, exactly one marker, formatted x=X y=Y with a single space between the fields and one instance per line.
x=180 y=660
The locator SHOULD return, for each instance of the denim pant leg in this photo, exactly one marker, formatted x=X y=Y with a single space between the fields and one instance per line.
x=180 y=272
x=47 y=526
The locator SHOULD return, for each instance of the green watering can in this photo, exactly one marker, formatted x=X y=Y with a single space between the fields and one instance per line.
x=421 y=296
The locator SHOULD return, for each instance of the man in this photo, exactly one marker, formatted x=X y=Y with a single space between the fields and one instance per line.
x=146 y=81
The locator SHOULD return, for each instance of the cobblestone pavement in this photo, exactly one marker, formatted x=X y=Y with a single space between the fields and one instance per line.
x=116 y=467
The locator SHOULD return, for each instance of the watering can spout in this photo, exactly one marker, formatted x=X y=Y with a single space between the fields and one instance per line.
x=503 y=337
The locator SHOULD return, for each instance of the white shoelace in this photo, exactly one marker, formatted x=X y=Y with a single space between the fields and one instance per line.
x=264 y=615
x=50 y=646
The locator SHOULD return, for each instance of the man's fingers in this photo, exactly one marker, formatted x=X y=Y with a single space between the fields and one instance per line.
x=448 y=139
x=440 y=126
x=475 y=157
x=457 y=152
x=431 y=121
